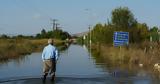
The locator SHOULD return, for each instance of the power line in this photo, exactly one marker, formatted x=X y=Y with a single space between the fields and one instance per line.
x=54 y=23
x=57 y=26
x=33 y=7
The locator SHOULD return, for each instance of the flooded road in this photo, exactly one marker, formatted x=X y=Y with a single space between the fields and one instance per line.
x=75 y=66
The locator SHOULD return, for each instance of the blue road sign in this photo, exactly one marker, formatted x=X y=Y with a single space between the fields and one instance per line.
x=121 y=38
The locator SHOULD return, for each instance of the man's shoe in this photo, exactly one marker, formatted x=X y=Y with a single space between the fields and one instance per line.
x=44 y=78
x=53 y=77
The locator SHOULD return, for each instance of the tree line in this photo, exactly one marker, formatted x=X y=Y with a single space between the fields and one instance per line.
x=57 y=34
x=122 y=19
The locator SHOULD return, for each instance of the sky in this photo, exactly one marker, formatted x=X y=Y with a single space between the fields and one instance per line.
x=29 y=17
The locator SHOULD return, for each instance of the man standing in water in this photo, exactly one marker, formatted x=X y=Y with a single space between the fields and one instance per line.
x=49 y=57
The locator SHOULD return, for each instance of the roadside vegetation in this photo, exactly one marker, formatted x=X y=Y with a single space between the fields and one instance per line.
x=143 y=48
x=136 y=54
x=13 y=48
x=20 y=45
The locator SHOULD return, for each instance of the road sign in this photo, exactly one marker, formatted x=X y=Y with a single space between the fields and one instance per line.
x=121 y=38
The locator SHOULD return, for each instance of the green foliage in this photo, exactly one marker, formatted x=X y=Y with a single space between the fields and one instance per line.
x=122 y=17
x=13 y=48
x=102 y=33
x=4 y=36
x=22 y=37
x=143 y=31
x=122 y=20
x=57 y=34
x=43 y=31
x=154 y=34
x=154 y=29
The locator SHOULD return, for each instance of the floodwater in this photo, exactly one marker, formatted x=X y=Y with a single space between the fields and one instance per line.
x=75 y=66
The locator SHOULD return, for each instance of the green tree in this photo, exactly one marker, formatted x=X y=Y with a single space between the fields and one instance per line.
x=97 y=32
x=122 y=20
x=122 y=17
x=154 y=29
x=4 y=36
x=154 y=33
x=43 y=33
x=143 y=31
x=38 y=36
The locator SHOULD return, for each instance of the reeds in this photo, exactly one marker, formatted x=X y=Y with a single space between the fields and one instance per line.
x=12 y=48
x=136 y=54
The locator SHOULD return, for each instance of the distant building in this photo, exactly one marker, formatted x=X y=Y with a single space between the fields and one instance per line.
x=80 y=34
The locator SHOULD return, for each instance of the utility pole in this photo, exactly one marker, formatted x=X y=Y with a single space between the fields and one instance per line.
x=54 y=24
x=90 y=41
x=90 y=34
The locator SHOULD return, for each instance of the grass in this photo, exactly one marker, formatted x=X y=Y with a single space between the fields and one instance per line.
x=133 y=55
x=13 y=48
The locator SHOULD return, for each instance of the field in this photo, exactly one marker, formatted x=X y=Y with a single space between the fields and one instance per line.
x=140 y=55
x=13 y=48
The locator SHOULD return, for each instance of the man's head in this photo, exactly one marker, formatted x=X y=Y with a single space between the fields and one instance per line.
x=50 y=41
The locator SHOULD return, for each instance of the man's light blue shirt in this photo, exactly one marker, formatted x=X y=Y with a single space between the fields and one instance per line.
x=49 y=52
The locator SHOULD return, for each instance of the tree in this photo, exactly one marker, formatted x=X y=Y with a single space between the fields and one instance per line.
x=65 y=35
x=139 y=33
x=43 y=33
x=98 y=29
x=143 y=31
x=154 y=29
x=122 y=17
x=38 y=36
x=122 y=20
x=4 y=36
x=154 y=33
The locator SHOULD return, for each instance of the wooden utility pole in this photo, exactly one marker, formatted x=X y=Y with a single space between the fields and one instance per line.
x=54 y=23
x=56 y=26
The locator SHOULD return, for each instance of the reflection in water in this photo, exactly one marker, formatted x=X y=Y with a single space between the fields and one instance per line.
x=76 y=61
x=21 y=59
x=17 y=61
x=84 y=47
x=124 y=73
x=72 y=62
x=76 y=66
x=63 y=47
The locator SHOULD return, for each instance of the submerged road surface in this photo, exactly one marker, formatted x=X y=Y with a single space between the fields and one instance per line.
x=75 y=66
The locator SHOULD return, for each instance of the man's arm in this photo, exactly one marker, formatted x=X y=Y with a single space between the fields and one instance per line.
x=43 y=54
x=56 y=54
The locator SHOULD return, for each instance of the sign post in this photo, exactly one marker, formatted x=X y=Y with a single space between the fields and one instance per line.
x=121 y=38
